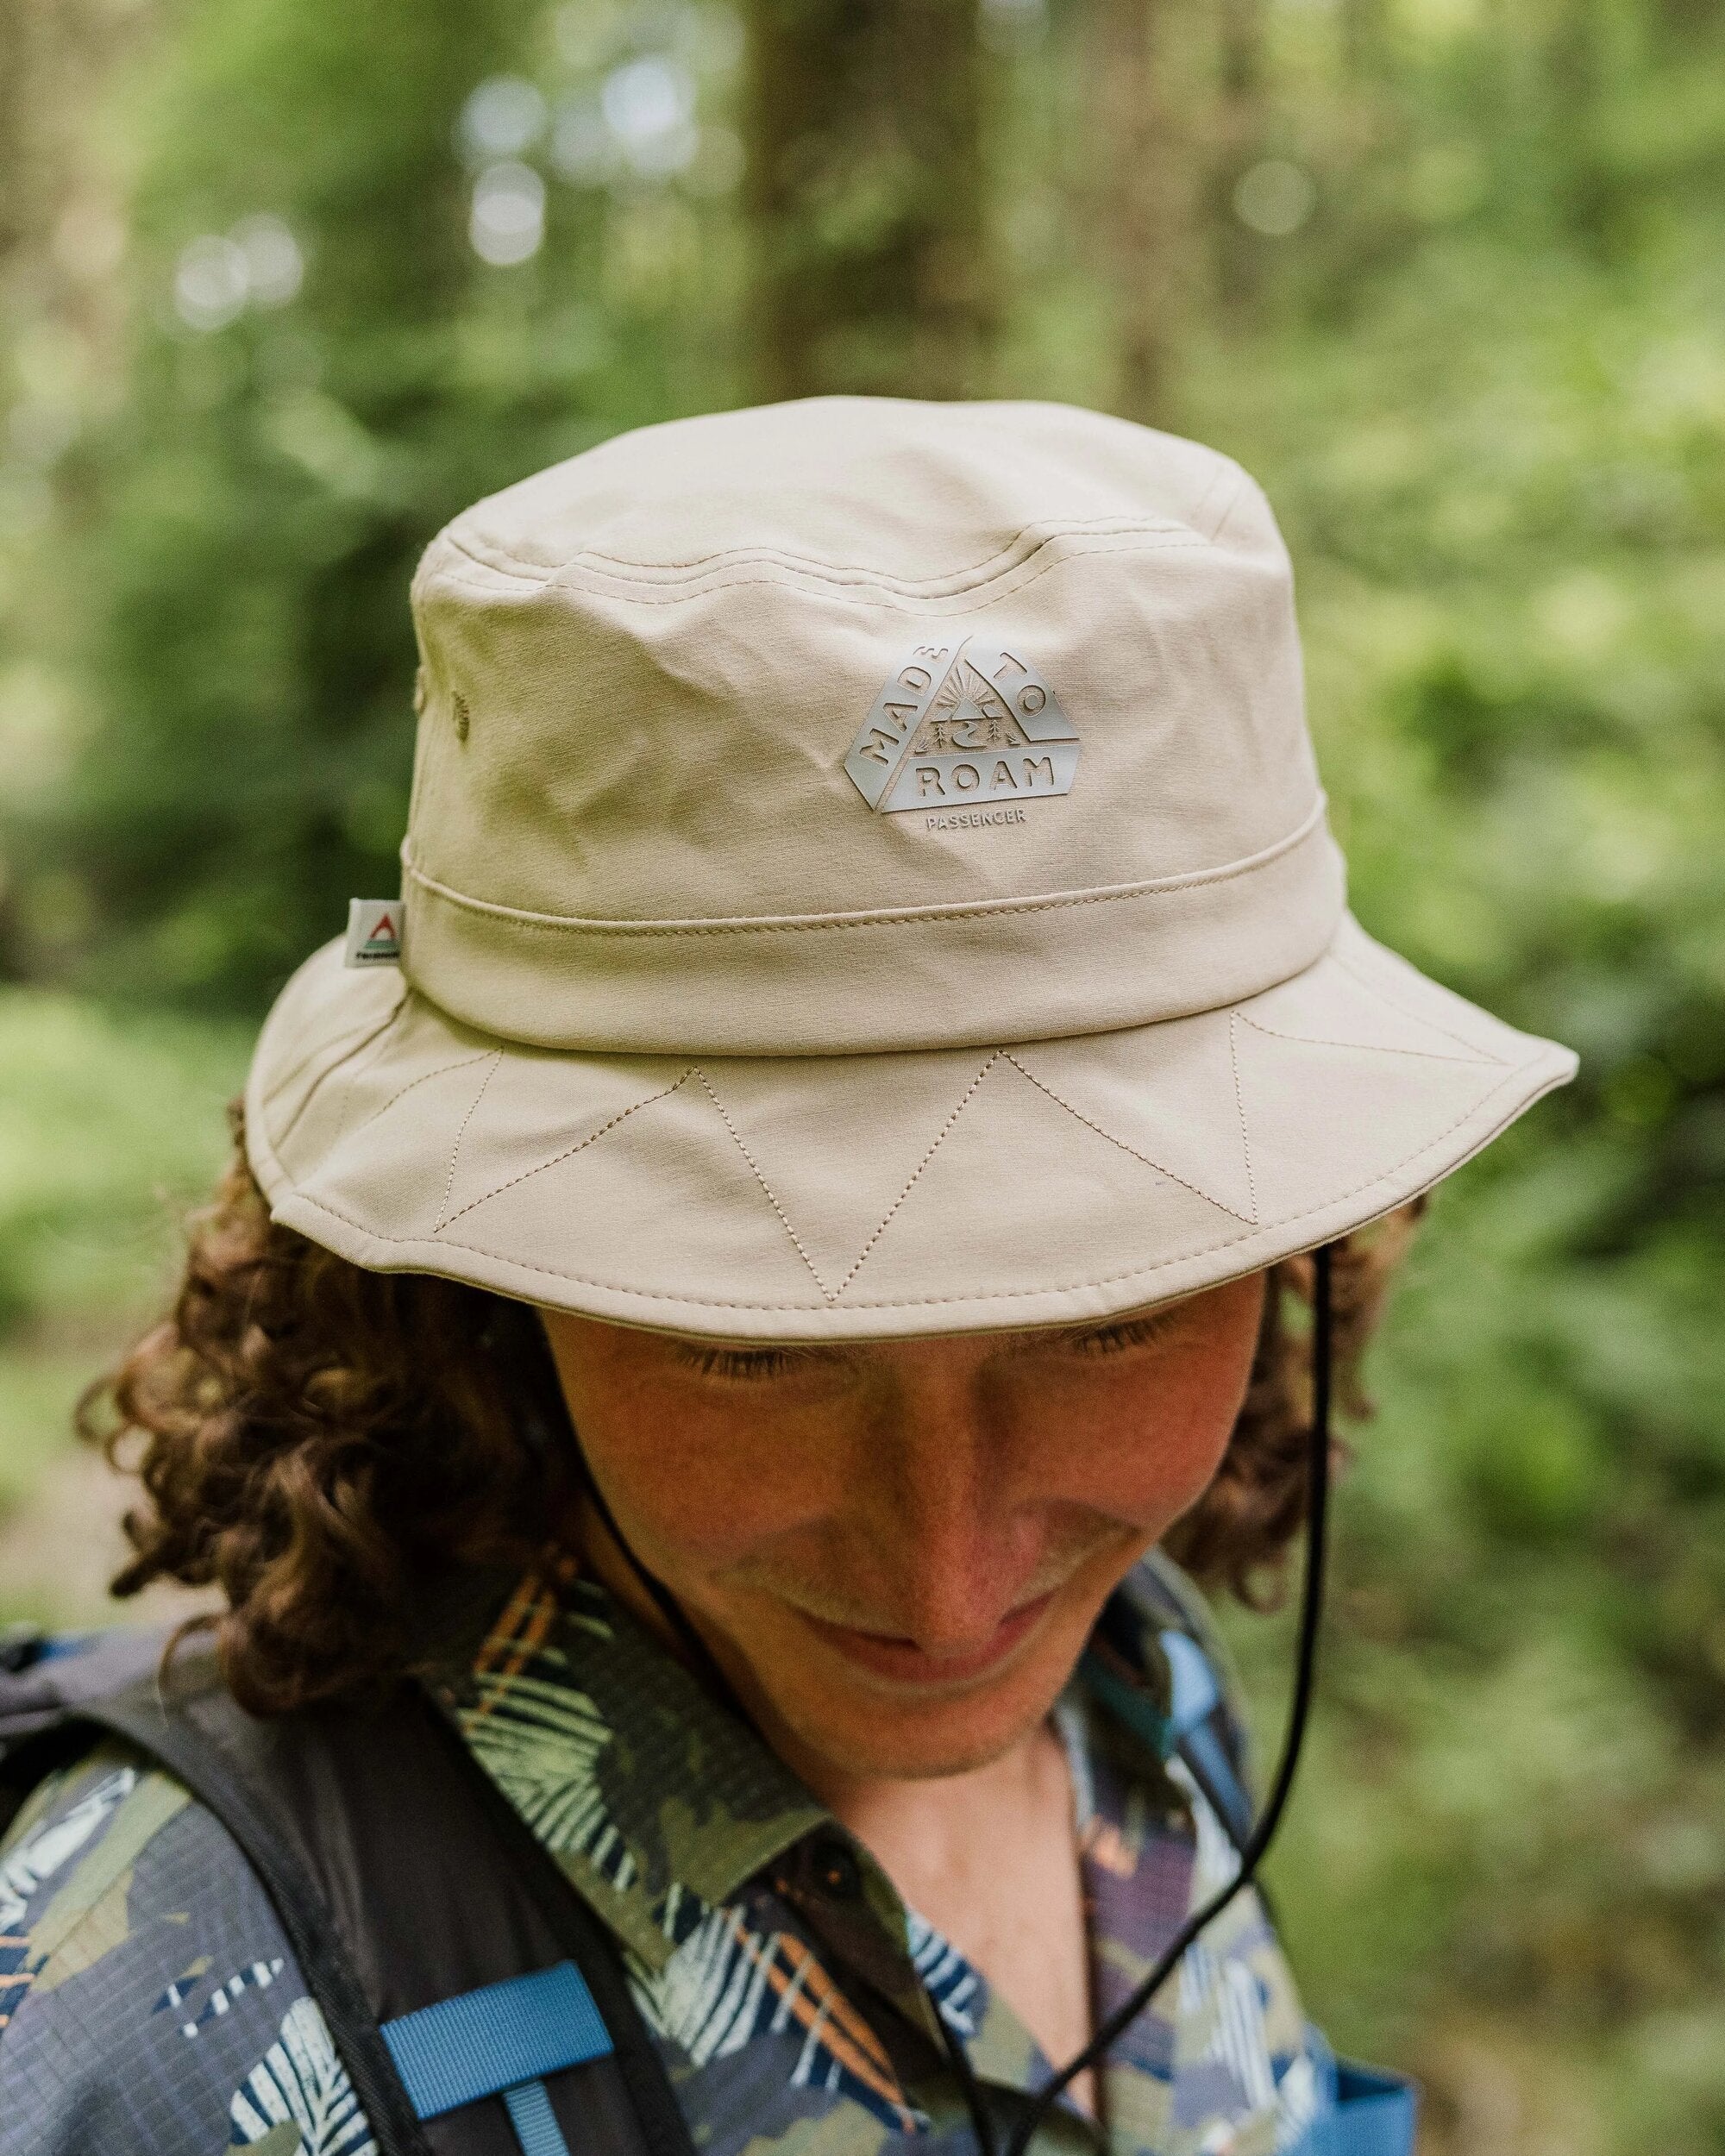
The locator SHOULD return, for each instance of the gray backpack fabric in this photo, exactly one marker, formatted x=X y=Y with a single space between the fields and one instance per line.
x=430 y=1926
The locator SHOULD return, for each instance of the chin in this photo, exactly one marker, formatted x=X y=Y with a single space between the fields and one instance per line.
x=915 y=1753
x=867 y=1734
x=826 y=1713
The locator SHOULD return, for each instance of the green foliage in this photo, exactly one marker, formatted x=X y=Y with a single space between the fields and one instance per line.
x=1483 y=383
x=111 y=1127
x=1501 y=482
x=242 y=528
x=111 y=1123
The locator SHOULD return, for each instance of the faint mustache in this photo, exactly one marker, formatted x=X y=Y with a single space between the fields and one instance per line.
x=833 y=1606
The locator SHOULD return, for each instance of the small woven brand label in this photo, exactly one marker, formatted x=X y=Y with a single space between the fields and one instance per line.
x=374 y=933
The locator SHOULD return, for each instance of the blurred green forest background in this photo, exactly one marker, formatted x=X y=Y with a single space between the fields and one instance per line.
x=285 y=283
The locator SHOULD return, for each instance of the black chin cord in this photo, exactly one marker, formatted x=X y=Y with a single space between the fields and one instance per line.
x=698 y=1654
x=542 y=1412
x=1311 y=1612
x=1258 y=1843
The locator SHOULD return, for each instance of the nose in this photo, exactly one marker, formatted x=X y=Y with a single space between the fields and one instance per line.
x=959 y=1547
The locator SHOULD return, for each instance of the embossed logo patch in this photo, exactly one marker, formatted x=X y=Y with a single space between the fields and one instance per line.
x=961 y=722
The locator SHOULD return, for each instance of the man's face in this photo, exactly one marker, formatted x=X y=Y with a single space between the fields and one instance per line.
x=896 y=1551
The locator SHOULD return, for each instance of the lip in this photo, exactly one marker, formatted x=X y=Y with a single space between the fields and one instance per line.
x=900 y=1662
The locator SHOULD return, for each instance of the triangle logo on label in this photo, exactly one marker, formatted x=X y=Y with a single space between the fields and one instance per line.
x=374 y=933
x=961 y=722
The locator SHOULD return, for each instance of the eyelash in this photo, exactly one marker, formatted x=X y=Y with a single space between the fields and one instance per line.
x=743 y=1363
x=1135 y=1332
x=740 y=1365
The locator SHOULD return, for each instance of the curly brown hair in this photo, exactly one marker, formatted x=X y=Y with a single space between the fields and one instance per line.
x=324 y=1443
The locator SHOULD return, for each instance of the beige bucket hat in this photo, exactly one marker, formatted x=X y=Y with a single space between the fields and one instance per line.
x=867 y=875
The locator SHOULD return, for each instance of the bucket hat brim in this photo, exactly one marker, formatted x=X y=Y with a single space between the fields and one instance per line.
x=1055 y=1181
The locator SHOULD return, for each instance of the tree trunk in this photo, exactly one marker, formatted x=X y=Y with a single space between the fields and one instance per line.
x=1577 y=64
x=1239 y=145
x=865 y=191
x=12 y=25
x=1144 y=212
x=1366 y=43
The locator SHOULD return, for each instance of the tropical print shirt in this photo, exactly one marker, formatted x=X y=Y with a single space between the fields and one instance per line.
x=150 y=2004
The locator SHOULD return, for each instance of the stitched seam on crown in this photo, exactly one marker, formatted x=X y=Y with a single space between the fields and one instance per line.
x=1364 y=1047
x=1168 y=888
x=1213 y=529
x=1042 y=532
x=438 y=1225
x=949 y=584
x=921 y=1303
x=1082 y=552
x=343 y=1061
x=1240 y=498
x=1079 y=1115
x=568 y=1153
x=827 y=1293
x=939 y=1140
x=1483 y=1054
x=902 y=601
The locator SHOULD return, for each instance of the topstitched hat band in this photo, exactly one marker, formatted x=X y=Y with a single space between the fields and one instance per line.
x=817 y=984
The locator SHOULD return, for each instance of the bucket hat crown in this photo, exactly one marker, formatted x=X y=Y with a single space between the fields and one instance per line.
x=867 y=874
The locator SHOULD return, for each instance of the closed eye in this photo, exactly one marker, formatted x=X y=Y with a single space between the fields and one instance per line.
x=1115 y=1339
x=742 y=1365
x=749 y=1365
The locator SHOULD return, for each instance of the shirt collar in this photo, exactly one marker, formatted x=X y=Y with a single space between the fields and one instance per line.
x=657 y=1802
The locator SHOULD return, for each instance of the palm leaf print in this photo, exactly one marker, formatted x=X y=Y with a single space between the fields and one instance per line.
x=538 y=1737
x=727 y=1984
x=1298 y=2102
x=541 y=1742
x=1239 y=2041
x=41 y=1853
x=255 y=1975
x=947 y=1977
x=299 y=2081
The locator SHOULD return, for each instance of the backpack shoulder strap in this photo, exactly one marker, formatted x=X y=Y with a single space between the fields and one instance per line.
x=1201 y=1726
x=45 y=1680
x=452 y=1961
x=181 y=1737
x=1203 y=1729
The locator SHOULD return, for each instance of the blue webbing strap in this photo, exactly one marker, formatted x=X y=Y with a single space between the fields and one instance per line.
x=1191 y=1727
x=58 y=1646
x=1196 y=1714
x=502 y=2040
x=1374 y=2115
x=530 y=2113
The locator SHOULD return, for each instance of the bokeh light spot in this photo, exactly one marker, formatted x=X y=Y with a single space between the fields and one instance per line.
x=211 y=282
x=1275 y=197
x=504 y=116
x=275 y=267
x=649 y=105
x=507 y=223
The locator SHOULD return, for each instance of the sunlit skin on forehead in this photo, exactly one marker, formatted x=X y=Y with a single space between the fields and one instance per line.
x=896 y=1550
